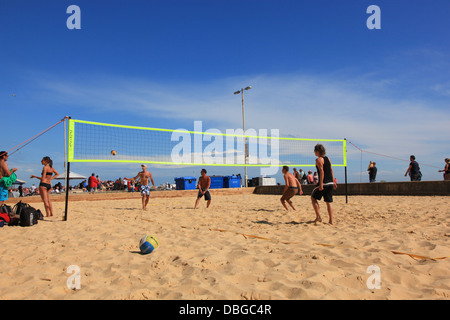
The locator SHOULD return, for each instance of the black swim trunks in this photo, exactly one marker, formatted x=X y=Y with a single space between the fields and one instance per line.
x=326 y=193
x=207 y=194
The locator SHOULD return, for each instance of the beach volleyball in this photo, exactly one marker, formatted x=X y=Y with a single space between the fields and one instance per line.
x=113 y=152
x=148 y=244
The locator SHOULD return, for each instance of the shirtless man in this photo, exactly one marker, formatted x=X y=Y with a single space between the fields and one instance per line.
x=144 y=176
x=292 y=187
x=204 y=182
x=4 y=172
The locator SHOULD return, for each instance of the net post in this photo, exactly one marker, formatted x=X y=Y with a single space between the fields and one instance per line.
x=345 y=157
x=68 y=158
x=67 y=190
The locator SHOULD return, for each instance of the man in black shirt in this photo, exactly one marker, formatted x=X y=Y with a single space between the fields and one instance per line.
x=414 y=170
x=326 y=184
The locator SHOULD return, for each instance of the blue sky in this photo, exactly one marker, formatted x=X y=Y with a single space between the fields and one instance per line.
x=316 y=70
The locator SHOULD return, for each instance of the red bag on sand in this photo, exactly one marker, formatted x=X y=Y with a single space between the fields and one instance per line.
x=4 y=217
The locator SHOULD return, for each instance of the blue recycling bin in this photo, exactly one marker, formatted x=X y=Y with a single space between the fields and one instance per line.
x=232 y=181
x=216 y=182
x=186 y=183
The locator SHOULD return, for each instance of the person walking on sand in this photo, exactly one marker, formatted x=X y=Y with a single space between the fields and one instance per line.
x=326 y=184
x=4 y=173
x=291 y=188
x=144 y=177
x=204 y=183
x=414 y=170
x=48 y=174
x=446 y=170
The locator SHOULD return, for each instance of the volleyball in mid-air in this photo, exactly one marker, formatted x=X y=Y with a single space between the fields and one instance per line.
x=113 y=152
x=148 y=244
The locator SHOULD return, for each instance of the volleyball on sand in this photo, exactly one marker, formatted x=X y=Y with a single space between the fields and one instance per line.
x=148 y=244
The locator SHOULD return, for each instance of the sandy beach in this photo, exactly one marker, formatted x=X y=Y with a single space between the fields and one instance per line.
x=195 y=261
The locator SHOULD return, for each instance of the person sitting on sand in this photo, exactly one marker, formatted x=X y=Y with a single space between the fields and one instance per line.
x=48 y=174
x=326 y=183
x=4 y=172
x=204 y=183
x=144 y=176
x=291 y=188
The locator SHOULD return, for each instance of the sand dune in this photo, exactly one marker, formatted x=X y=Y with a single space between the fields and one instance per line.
x=194 y=262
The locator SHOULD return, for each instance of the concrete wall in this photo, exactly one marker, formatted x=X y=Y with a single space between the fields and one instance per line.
x=422 y=188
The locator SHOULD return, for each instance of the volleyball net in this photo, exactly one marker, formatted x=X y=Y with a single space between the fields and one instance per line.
x=111 y=143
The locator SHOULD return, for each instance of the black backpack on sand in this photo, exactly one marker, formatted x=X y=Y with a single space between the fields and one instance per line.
x=28 y=216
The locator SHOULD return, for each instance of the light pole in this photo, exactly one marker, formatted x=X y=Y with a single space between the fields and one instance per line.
x=243 y=127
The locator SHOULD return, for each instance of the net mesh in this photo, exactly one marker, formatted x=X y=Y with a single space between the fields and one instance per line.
x=101 y=142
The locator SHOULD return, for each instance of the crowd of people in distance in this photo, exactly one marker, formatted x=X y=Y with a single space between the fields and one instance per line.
x=303 y=178
x=94 y=184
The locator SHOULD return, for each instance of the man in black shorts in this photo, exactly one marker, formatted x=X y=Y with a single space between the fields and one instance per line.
x=204 y=182
x=326 y=183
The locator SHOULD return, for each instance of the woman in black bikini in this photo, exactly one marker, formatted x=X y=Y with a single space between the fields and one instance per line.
x=446 y=170
x=48 y=174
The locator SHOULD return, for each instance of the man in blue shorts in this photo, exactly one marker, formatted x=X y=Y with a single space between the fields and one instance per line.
x=144 y=176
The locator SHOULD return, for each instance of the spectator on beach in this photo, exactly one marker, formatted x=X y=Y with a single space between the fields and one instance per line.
x=99 y=183
x=302 y=176
x=310 y=178
x=414 y=170
x=33 y=189
x=92 y=183
x=372 y=172
x=297 y=175
x=82 y=185
x=4 y=173
x=446 y=170
x=48 y=174
x=315 y=178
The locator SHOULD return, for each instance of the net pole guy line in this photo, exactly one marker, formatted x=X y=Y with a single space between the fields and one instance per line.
x=27 y=142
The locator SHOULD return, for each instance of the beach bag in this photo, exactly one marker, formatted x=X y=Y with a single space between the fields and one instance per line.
x=4 y=217
x=5 y=213
x=28 y=216
x=6 y=209
x=19 y=206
